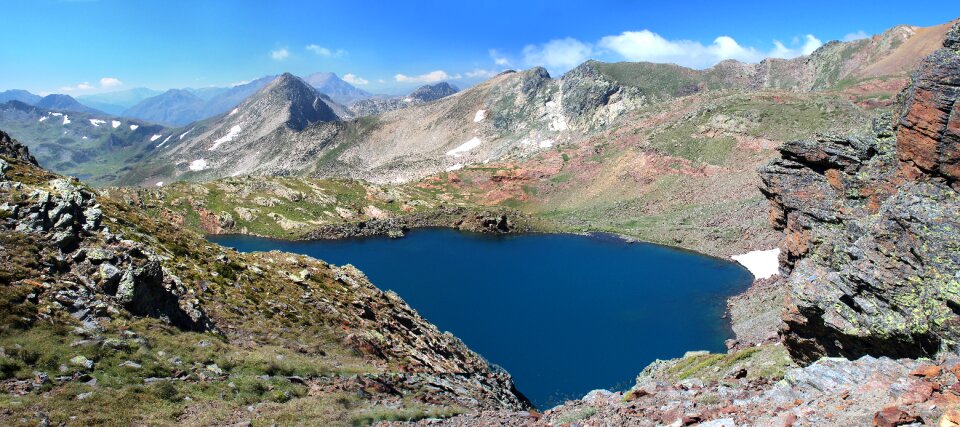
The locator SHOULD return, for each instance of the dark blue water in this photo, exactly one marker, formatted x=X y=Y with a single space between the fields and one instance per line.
x=564 y=314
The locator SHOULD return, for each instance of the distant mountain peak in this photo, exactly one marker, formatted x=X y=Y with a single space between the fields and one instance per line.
x=434 y=92
x=63 y=102
x=336 y=88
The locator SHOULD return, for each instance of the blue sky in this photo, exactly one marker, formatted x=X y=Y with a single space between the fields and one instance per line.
x=90 y=46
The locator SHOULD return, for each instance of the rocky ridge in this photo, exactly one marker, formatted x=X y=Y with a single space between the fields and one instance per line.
x=871 y=229
x=422 y=95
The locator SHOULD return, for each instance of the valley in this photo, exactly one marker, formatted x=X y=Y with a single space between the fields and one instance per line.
x=246 y=254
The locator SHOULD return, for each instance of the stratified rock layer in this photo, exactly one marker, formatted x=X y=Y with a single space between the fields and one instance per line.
x=872 y=228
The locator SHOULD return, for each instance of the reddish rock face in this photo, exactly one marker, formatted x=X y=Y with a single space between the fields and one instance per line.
x=929 y=131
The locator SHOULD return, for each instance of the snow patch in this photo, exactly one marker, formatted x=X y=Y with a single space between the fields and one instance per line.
x=481 y=114
x=84 y=137
x=165 y=141
x=185 y=133
x=66 y=119
x=466 y=146
x=455 y=167
x=198 y=165
x=234 y=131
x=155 y=137
x=159 y=183
x=97 y=122
x=235 y=110
x=56 y=114
x=43 y=118
x=134 y=127
x=762 y=264
x=408 y=100
x=115 y=123
x=547 y=143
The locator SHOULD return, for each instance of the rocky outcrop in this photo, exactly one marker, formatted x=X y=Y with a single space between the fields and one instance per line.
x=10 y=147
x=928 y=139
x=873 y=229
x=459 y=218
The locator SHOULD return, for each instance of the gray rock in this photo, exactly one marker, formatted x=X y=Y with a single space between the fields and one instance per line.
x=82 y=361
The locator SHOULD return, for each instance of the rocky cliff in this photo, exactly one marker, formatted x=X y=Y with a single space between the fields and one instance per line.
x=873 y=228
x=101 y=303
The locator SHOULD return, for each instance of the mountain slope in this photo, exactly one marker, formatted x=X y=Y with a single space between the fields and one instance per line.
x=273 y=130
x=183 y=106
x=176 y=330
x=117 y=102
x=175 y=106
x=19 y=95
x=60 y=102
x=337 y=89
x=93 y=146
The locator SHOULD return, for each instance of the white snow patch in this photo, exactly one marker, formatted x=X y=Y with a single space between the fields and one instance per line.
x=97 y=122
x=455 y=167
x=66 y=119
x=547 y=143
x=84 y=137
x=155 y=137
x=198 y=165
x=185 y=133
x=159 y=183
x=466 y=146
x=481 y=114
x=56 y=114
x=234 y=131
x=408 y=100
x=165 y=141
x=762 y=264
x=134 y=127
x=234 y=111
x=43 y=118
x=115 y=123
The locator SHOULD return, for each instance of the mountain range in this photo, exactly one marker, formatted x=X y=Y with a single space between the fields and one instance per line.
x=858 y=324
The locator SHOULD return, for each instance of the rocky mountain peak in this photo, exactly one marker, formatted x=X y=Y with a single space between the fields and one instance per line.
x=433 y=92
x=300 y=101
x=62 y=102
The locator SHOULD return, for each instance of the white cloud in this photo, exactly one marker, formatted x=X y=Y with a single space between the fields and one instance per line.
x=856 y=36
x=354 y=79
x=110 y=82
x=480 y=73
x=81 y=86
x=280 y=54
x=322 y=51
x=431 y=77
x=810 y=44
x=560 y=54
x=498 y=58
x=646 y=45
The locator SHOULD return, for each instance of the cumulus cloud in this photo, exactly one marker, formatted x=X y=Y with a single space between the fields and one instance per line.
x=108 y=82
x=559 y=54
x=280 y=54
x=427 y=78
x=646 y=45
x=354 y=79
x=322 y=51
x=498 y=58
x=856 y=36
